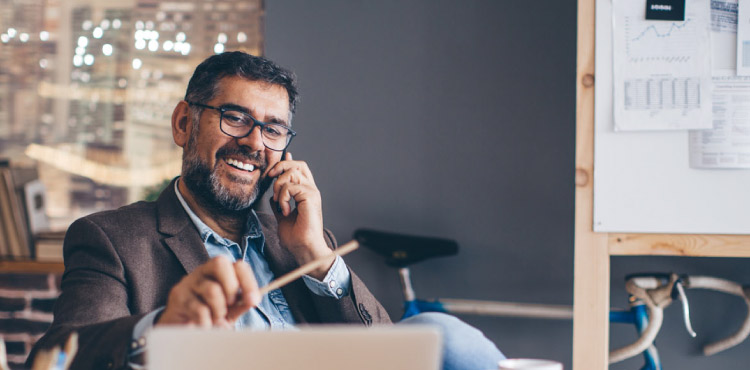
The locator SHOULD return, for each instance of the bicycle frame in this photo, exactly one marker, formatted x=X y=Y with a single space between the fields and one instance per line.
x=637 y=315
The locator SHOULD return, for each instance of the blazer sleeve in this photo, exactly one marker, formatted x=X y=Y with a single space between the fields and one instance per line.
x=359 y=306
x=93 y=302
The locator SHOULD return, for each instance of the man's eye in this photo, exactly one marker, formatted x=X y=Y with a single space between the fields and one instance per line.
x=234 y=118
x=272 y=130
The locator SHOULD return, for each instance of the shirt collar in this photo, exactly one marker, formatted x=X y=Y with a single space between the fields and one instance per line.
x=253 y=224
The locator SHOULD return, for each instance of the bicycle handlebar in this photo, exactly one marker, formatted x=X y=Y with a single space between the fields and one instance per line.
x=656 y=294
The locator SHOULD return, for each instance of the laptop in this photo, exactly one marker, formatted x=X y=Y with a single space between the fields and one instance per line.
x=310 y=348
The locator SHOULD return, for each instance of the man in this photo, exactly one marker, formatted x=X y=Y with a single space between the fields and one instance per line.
x=197 y=255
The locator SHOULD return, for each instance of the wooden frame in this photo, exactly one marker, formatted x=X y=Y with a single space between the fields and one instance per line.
x=593 y=250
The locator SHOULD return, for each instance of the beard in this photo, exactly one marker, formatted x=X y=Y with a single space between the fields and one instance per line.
x=206 y=185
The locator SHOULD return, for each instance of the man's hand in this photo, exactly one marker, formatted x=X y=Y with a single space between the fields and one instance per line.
x=301 y=228
x=216 y=293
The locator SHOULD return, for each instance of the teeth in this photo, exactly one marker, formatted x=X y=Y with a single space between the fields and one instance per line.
x=238 y=164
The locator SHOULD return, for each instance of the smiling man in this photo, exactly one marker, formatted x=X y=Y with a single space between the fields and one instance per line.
x=197 y=255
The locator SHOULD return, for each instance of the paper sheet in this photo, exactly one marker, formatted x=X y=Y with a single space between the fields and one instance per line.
x=662 y=72
x=743 y=39
x=727 y=145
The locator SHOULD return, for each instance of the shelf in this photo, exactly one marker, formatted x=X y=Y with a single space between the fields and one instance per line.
x=31 y=267
x=686 y=245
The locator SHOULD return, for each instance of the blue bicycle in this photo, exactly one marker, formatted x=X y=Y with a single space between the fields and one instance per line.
x=649 y=295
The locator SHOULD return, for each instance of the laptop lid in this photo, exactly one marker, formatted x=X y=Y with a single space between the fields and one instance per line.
x=316 y=347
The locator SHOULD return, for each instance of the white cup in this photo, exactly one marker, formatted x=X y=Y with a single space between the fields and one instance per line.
x=529 y=364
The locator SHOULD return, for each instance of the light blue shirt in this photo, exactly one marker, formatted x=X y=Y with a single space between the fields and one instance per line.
x=273 y=312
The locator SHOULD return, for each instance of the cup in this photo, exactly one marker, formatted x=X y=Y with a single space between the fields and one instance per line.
x=529 y=364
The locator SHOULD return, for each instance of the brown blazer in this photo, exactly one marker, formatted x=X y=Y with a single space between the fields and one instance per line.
x=121 y=265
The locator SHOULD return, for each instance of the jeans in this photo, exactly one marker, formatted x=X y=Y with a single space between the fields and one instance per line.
x=464 y=347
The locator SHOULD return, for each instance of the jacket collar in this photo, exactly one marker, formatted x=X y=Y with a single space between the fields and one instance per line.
x=181 y=236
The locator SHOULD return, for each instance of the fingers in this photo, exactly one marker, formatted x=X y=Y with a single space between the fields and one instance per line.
x=248 y=295
x=215 y=294
x=220 y=269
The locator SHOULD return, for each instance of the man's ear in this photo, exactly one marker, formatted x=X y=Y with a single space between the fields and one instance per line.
x=181 y=125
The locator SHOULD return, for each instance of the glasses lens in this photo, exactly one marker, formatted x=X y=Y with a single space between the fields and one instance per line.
x=275 y=136
x=238 y=124
x=235 y=123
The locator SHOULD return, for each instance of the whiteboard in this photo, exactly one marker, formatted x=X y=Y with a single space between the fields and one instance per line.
x=642 y=180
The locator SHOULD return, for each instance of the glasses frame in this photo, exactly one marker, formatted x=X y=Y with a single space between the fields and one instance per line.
x=260 y=124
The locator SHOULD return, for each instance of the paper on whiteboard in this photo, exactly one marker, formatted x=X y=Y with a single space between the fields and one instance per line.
x=724 y=34
x=727 y=145
x=743 y=39
x=662 y=72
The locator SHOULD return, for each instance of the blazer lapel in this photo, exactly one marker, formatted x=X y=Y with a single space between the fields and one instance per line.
x=181 y=235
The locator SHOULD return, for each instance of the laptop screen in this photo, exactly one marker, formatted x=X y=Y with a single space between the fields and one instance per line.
x=313 y=347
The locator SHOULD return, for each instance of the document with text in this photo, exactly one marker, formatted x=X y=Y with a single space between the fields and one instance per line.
x=662 y=70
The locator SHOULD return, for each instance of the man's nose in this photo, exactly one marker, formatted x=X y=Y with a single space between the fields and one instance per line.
x=254 y=140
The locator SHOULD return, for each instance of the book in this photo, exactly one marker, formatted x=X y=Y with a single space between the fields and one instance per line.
x=16 y=245
x=48 y=246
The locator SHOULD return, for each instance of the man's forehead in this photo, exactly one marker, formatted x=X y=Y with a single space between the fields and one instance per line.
x=250 y=94
x=232 y=85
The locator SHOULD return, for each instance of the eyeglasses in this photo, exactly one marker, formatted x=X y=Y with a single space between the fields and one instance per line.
x=239 y=124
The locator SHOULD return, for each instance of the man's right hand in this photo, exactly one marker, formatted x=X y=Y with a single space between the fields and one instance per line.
x=216 y=293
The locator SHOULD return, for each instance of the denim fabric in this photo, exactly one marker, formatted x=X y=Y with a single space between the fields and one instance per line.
x=464 y=347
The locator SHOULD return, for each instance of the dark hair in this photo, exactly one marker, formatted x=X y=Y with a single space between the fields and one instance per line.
x=203 y=84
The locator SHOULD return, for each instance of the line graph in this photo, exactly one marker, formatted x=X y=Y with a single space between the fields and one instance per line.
x=672 y=27
x=655 y=41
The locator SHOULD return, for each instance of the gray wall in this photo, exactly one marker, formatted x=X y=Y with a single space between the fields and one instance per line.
x=457 y=119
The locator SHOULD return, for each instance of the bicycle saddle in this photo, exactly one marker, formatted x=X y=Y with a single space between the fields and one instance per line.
x=402 y=250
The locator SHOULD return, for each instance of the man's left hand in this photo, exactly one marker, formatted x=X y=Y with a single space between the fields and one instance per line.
x=301 y=227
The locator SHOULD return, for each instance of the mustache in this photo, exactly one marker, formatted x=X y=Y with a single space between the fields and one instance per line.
x=254 y=157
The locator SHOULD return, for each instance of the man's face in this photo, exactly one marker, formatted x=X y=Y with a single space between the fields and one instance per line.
x=223 y=172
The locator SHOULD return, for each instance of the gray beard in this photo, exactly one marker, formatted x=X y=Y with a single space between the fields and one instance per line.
x=207 y=188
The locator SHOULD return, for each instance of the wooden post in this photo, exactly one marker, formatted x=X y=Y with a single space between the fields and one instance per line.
x=591 y=285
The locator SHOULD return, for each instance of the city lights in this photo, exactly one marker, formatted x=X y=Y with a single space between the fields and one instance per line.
x=23 y=37
x=116 y=24
x=4 y=38
x=98 y=33
x=153 y=45
x=105 y=24
x=12 y=32
x=137 y=63
x=222 y=38
x=168 y=45
x=180 y=37
x=219 y=48
x=186 y=48
x=43 y=63
x=44 y=35
x=241 y=37
x=107 y=49
x=139 y=25
x=83 y=41
x=87 y=24
x=88 y=59
x=140 y=44
x=78 y=60
x=80 y=50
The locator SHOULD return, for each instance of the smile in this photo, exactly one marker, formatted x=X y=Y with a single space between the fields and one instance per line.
x=240 y=165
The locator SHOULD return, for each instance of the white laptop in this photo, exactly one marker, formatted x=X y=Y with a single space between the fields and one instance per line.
x=311 y=348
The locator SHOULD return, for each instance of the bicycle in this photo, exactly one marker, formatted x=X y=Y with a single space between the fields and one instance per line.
x=649 y=294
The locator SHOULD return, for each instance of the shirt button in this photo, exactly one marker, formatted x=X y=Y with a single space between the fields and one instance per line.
x=134 y=345
x=332 y=284
x=142 y=341
x=339 y=291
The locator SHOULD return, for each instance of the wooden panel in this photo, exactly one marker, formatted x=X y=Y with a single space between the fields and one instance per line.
x=31 y=267
x=591 y=284
x=679 y=245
